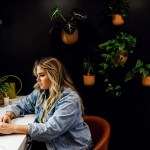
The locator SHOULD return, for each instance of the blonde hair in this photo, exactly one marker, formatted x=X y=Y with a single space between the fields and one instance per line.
x=58 y=77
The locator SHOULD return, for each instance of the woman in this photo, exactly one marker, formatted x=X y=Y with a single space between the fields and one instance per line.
x=58 y=108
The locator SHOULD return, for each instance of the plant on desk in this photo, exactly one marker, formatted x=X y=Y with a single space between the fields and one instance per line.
x=3 y=90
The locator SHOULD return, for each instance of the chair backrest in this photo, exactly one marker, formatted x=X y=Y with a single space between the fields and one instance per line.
x=100 y=130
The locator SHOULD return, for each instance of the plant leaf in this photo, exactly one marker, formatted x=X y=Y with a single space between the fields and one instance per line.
x=70 y=27
x=79 y=14
x=55 y=12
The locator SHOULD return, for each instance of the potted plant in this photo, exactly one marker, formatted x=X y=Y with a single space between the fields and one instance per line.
x=3 y=90
x=142 y=69
x=118 y=9
x=117 y=50
x=69 y=34
x=146 y=80
x=89 y=76
x=113 y=56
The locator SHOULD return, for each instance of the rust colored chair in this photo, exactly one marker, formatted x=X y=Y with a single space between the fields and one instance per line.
x=100 y=130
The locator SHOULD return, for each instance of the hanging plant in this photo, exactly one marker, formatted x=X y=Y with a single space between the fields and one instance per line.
x=89 y=75
x=141 y=68
x=110 y=53
x=69 y=33
x=113 y=56
x=3 y=90
x=118 y=9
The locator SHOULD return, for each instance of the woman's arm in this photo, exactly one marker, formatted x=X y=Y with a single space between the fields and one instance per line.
x=20 y=129
x=6 y=128
x=25 y=105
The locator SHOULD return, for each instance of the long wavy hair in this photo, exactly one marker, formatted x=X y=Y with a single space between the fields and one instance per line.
x=59 y=78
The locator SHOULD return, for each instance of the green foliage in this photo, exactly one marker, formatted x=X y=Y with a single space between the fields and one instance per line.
x=110 y=58
x=110 y=52
x=122 y=44
x=141 y=68
x=3 y=87
x=118 y=7
x=113 y=89
x=88 y=67
x=71 y=24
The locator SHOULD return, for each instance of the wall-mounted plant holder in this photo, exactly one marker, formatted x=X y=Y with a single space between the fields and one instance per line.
x=114 y=53
x=117 y=19
x=89 y=80
x=89 y=76
x=146 y=81
x=69 y=33
x=69 y=38
x=118 y=9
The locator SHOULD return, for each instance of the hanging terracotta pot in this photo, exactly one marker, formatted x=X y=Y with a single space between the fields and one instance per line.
x=69 y=38
x=117 y=19
x=121 y=59
x=146 y=81
x=89 y=80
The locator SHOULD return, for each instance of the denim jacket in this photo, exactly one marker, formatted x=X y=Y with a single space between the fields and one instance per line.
x=63 y=127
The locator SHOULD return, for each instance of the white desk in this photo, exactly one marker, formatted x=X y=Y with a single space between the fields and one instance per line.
x=15 y=141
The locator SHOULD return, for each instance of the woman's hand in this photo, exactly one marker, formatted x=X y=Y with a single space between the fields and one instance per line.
x=6 y=128
x=5 y=118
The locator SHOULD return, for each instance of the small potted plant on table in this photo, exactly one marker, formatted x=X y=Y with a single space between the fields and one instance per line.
x=3 y=90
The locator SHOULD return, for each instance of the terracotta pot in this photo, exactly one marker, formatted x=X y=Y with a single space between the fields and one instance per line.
x=122 y=59
x=117 y=19
x=69 y=38
x=89 y=80
x=146 y=81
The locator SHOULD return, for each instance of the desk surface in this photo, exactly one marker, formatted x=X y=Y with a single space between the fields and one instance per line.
x=15 y=141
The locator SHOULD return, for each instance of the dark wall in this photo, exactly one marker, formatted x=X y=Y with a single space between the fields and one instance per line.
x=24 y=37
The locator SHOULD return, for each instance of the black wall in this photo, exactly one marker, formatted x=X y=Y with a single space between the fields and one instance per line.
x=24 y=37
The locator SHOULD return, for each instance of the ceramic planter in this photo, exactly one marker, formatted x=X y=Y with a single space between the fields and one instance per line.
x=146 y=81
x=89 y=80
x=117 y=19
x=122 y=58
x=69 y=38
